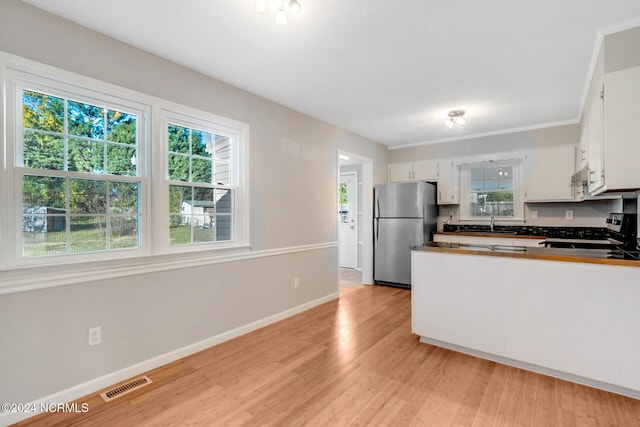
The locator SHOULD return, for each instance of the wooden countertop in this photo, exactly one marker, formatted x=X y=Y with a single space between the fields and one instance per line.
x=550 y=254
x=489 y=234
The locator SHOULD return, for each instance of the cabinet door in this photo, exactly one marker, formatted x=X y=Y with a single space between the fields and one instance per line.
x=399 y=172
x=448 y=178
x=425 y=170
x=622 y=129
x=547 y=173
x=595 y=118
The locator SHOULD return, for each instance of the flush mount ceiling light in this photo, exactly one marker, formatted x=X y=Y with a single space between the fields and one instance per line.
x=456 y=117
x=281 y=9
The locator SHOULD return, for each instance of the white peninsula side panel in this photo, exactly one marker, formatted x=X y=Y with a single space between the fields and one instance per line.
x=577 y=321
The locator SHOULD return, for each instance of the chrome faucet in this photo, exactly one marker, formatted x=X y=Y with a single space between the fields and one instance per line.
x=492 y=222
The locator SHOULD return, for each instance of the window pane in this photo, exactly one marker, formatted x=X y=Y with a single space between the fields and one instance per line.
x=44 y=112
x=477 y=173
x=43 y=235
x=203 y=199
x=121 y=127
x=42 y=151
x=222 y=173
x=86 y=120
x=124 y=197
x=180 y=229
x=179 y=200
x=477 y=184
x=87 y=196
x=224 y=202
x=86 y=156
x=201 y=143
x=491 y=184
x=203 y=228
x=224 y=227
x=124 y=232
x=41 y=194
x=201 y=170
x=222 y=148
x=121 y=160
x=178 y=167
x=178 y=139
x=88 y=234
x=492 y=203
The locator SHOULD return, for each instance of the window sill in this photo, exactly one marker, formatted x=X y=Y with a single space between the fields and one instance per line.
x=34 y=278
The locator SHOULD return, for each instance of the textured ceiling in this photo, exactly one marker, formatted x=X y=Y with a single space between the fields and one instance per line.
x=389 y=70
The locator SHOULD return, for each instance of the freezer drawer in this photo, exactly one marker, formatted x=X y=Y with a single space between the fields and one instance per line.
x=393 y=239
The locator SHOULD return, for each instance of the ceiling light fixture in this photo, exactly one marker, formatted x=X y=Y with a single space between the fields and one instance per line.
x=281 y=9
x=456 y=117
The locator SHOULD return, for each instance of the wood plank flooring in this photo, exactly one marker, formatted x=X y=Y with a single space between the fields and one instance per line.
x=351 y=362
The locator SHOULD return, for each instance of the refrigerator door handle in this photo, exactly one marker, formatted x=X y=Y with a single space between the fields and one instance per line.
x=377 y=232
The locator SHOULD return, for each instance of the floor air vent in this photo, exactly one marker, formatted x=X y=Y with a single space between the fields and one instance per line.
x=125 y=388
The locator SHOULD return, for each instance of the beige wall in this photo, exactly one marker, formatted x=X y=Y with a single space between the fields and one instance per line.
x=622 y=50
x=292 y=199
x=515 y=141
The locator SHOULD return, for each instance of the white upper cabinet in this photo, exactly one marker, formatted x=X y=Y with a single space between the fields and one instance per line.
x=621 y=142
x=421 y=170
x=448 y=182
x=425 y=170
x=547 y=174
x=610 y=124
x=399 y=172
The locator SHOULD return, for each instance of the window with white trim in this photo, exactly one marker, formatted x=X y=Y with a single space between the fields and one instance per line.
x=203 y=180
x=77 y=171
x=80 y=182
x=491 y=189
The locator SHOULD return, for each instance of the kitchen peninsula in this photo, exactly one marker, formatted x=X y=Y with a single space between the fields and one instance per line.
x=571 y=317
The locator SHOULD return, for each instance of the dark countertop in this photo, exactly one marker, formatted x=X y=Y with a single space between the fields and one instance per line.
x=489 y=233
x=592 y=256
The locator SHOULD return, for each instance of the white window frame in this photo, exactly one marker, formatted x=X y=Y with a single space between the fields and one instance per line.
x=238 y=132
x=152 y=153
x=18 y=80
x=465 y=190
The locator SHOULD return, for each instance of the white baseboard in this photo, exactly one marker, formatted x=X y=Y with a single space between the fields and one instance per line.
x=536 y=368
x=94 y=385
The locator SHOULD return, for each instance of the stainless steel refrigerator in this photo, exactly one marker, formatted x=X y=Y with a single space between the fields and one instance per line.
x=405 y=215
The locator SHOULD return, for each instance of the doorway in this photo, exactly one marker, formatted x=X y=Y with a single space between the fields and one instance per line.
x=362 y=167
x=348 y=220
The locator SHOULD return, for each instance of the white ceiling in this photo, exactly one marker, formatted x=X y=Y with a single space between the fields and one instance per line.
x=389 y=70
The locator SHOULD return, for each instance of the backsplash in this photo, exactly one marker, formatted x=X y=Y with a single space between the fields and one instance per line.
x=555 y=232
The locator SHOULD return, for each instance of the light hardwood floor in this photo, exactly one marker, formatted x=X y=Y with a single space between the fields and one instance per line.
x=355 y=362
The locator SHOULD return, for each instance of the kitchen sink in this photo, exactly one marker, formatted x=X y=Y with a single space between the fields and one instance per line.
x=493 y=248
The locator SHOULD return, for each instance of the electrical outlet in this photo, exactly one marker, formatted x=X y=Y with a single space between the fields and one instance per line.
x=296 y=282
x=534 y=214
x=95 y=336
x=568 y=214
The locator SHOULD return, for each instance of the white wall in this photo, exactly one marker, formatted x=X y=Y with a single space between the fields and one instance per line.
x=293 y=226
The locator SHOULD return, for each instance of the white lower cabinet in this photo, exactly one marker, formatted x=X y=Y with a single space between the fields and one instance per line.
x=574 y=320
